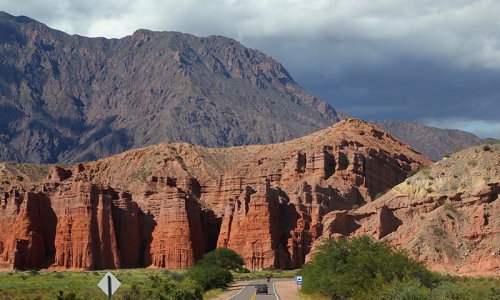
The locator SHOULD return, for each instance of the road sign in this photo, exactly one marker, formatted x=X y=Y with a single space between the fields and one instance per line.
x=109 y=284
x=298 y=279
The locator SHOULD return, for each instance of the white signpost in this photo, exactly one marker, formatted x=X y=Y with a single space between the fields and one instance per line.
x=109 y=284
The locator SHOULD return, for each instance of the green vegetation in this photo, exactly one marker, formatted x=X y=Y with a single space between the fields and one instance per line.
x=208 y=278
x=361 y=268
x=486 y=148
x=257 y=274
x=424 y=170
x=472 y=163
x=412 y=172
x=166 y=288
x=223 y=257
x=213 y=270
x=45 y=285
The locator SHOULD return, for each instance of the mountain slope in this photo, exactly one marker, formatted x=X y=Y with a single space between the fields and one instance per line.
x=431 y=141
x=70 y=98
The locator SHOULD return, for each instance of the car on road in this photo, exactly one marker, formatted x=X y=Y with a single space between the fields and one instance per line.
x=261 y=289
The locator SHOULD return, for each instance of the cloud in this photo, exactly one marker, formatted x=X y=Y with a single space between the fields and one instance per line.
x=483 y=129
x=388 y=59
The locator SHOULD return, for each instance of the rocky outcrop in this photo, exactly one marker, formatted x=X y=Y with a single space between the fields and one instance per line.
x=446 y=215
x=166 y=205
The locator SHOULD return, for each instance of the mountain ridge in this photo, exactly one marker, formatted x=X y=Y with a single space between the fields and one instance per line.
x=74 y=98
x=431 y=141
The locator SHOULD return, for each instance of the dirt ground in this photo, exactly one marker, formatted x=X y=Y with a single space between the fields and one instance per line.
x=287 y=289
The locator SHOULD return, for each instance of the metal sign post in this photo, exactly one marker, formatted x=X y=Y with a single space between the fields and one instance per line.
x=109 y=284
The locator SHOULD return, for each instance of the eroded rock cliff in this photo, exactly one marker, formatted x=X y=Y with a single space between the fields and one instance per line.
x=447 y=215
x=168 y=204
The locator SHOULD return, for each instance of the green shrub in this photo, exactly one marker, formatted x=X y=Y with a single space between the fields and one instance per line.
x=159 y=287
x=409 y=290
x=472 y=163
x=355 y=267
x=449 y=290
x=210 y=276
x=71 y=295
x=188 y=289
x=223 y=257
x=134 y=293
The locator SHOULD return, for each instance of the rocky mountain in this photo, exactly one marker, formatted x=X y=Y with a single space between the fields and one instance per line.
x=68 y=98
x=168 y=204
x=431 y=141
x=447 y=215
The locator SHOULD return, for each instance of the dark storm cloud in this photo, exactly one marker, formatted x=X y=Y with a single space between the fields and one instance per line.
x=432 y=61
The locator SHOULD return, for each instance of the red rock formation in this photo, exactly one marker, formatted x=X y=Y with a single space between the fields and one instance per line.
x=85 y=236
x=177 y=240
x=166 y=205
x=59 y=174
x=30 y=239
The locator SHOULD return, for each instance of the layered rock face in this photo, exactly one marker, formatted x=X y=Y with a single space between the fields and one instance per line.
x=168 y=204
x=446 y=215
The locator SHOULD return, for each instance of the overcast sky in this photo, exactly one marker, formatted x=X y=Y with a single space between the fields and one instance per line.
x=432 y=61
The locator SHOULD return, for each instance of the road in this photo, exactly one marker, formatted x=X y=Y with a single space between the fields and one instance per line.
x=247 y=292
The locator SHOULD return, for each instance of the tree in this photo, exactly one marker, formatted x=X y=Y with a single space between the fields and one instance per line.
x=223 y=257
x=356 y=267
x=210 y=276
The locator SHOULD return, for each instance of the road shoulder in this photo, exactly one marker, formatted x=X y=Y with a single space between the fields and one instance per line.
x=287 y=289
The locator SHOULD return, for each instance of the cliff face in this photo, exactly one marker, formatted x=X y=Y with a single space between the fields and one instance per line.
x=168 y=204
x=70 y=98
x=446 y=215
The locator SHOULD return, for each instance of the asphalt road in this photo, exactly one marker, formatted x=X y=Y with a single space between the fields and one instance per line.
x=247 y=292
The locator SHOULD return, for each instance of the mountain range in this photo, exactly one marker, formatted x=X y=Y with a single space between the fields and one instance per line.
x=68 y=98
x=71 y=98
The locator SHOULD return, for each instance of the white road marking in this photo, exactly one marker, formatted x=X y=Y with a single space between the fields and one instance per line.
x=240 y=291
x=275 y=292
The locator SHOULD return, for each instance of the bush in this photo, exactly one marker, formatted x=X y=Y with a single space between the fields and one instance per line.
x=165 y=288
x=69 y=296
x=410 y=290
x=359 y=266
x=486 y=148
x=210 y=276
x=412 y=172
x=188 y=289
x=448 y=290
x=223 y=257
